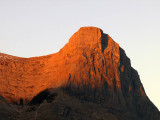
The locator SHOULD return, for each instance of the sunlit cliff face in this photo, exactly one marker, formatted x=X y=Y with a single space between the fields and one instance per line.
x=91 y=60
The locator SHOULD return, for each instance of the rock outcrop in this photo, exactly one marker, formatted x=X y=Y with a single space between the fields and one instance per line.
x=91 y=66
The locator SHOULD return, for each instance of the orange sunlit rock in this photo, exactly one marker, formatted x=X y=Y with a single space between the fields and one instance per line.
x=90 y=59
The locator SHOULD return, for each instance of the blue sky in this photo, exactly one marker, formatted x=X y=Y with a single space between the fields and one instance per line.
x=39 y=27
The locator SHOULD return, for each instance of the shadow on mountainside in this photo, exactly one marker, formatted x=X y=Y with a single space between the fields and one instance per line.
x=57 y=104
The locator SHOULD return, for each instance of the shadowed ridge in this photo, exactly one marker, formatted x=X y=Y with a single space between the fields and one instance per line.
x=7 y=112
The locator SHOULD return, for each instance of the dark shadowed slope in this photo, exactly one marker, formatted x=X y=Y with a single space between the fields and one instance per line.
x=7 y=112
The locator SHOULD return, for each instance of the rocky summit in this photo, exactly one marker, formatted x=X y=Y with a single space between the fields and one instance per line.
x=89 y=78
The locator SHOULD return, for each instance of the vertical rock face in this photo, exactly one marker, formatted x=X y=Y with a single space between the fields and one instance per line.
x=91 y=66
x=99 y=65
x=101 y=72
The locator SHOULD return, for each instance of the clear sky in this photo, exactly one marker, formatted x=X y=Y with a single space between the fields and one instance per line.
x=39 y=27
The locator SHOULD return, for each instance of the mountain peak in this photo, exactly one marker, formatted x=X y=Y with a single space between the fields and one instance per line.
x=91 y=66
x=86 y=35
x=90 y=38
x=89 y=28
